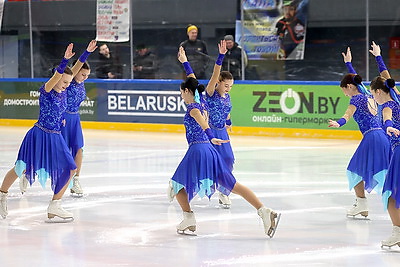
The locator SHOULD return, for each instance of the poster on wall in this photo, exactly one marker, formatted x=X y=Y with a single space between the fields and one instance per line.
x=112 y=20
x=273 y=29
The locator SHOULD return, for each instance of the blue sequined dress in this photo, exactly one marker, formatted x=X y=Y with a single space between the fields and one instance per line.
x=72 y=132
x=391 y=188
x=371 y=159
x=43 y=153
x=202 y=169
x=219 y=108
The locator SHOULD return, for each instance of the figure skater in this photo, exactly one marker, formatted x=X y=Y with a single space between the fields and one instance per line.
x=385 y=93
x=202 y=170
x=361 y=174
x=43 y=153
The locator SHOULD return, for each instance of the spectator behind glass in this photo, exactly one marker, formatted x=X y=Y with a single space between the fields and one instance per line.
x=233 y=58
x=108 y=66
x=196 y=52
x=145 y=63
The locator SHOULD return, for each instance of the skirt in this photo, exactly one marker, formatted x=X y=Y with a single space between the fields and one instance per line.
x=72 y=132
x=225 y=150
x=370 y=162
x=43 y=154
x=392 y=183
x=202 y=171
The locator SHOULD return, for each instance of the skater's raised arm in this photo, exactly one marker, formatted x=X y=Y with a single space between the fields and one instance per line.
x=183 y=59
x=210 y=89
x=347 y=60
x=49 y=85
x=92 y=46
x=383 y=71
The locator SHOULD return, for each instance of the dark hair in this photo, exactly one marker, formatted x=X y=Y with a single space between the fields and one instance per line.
x=225 y=75
x=351 y=78
x=379 y=83
x=68 y=71
x=192 y=84
x=85 y=65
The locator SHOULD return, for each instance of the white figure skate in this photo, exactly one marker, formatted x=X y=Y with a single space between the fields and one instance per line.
x=224 y=201
x=23 y=183
x=270 y=219
x=76 y=190
x=57 y=214
x=188 y=223
x=394 y=239
x=170 y=191
x=360 y=207
x=3 y=205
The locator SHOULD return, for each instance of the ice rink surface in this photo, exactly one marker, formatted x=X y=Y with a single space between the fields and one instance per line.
x=125 y=218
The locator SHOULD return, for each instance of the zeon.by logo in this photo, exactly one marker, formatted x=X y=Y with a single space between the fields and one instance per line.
x=291 y=102
x=290 y=93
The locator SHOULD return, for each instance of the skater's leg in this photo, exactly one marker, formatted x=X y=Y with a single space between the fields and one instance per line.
x=269 y=217
x=393 y=212
x=183 y=201
x=55 y=210
x=360 y=190
x=189 y=221
x=78 y=161
x=76 y=189
x=59 y=195
x=9 y=179
x=247 y=194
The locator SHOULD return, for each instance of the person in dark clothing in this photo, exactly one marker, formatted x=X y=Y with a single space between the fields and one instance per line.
x=290 y=30
x=145 y=63
x=108 y=66
x=233 y=58
x=196 y=52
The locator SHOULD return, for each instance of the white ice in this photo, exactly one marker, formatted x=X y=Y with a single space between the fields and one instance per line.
x=125 y=218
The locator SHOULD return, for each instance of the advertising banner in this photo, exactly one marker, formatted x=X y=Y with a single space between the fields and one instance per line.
x=112 y=20
x=282 y=105
x=273 y=29
x=304 y=105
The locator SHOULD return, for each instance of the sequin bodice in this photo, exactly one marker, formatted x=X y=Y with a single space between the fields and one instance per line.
x=76 y=93
x=219 y=108
x=395 y=107
x=52 y=106
x=363 y=116
x=194 y=132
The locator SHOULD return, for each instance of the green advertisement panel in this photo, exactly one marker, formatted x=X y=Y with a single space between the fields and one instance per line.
x=303 y=105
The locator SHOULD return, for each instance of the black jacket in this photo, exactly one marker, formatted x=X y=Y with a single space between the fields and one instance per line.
x=197 y=55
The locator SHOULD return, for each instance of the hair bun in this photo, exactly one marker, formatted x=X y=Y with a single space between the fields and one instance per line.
x=391 y=83
x=357 y=79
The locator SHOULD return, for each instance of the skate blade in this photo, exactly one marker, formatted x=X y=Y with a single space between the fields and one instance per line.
x=390 y=246
x=224 y=206
x=358 y=216
x=3 y=217
x=272 y=229
x=57 y=219
x=77 y=195
x=188 y=231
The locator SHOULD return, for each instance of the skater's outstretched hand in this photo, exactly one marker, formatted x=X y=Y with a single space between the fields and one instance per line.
x=218 y=142
x=347 y=57
x=376 y=49
x=92 y=46
x=394 y=131
x=333 y=124
x=182 y=55
x=68 y=52
x=222 y=47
